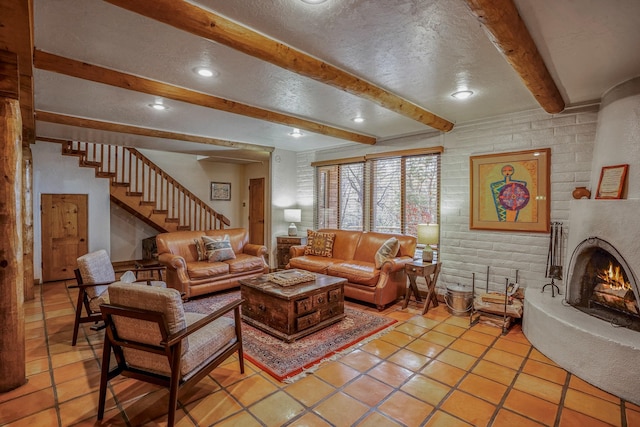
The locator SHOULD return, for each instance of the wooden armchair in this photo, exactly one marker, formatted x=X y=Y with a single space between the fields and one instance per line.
x=154 y=340
x=94 y=275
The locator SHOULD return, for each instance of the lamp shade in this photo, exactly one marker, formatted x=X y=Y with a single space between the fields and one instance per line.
x=428 y=234
x=293 y=215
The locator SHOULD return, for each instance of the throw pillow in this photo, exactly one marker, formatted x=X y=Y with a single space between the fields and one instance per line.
x=320 y=244
x=388 y=250
x=200 y=249
x=218 y=249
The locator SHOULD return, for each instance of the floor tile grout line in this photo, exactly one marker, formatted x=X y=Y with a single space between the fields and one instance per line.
x=98 y=361
x=54 y=387
x=520 y=371
x=510 y=388
x=565 y=389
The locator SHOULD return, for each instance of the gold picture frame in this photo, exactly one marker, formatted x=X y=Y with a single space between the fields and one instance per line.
x=510 y=191
x=220 y=191
x=611 y=182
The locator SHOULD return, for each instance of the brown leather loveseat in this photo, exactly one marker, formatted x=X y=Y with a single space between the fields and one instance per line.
x=177 y=251
x=353 y=258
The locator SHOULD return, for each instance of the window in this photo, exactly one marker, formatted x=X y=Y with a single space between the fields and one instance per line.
x=390 y=193
x=340 y=196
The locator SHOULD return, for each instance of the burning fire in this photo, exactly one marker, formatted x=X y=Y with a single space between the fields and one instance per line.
x=613 y=278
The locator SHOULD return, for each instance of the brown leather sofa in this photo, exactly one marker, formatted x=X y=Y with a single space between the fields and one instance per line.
x=177 y=251
x=353 y=259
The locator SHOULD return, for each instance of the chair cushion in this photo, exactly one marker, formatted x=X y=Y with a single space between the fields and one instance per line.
x=95 y=267
x=360 y=272
x=388 y=250
x=203 y=270
x=316 y=264
x=320 y=244
x=206 y=343
x=243 y=263
x=164 y=300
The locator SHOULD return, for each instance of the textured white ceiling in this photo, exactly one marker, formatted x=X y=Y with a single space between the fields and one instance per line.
x=422 y=50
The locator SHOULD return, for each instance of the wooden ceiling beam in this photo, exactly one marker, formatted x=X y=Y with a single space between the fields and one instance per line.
x=62 y=119
x=16 y=35
x=188 y=17
x=82 y=70
x=509 y=34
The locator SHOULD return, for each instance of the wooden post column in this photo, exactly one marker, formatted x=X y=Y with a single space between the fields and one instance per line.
x=27 y=221
x=12 y=345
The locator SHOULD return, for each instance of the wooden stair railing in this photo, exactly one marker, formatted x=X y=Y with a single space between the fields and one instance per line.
x=144 y=189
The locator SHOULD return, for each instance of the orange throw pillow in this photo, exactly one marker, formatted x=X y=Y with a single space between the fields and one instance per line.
x=319 y=244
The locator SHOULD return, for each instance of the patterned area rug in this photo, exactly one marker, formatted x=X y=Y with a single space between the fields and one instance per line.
x=288 y=361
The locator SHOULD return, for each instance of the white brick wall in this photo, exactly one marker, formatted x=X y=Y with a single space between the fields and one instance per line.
x=570 y=135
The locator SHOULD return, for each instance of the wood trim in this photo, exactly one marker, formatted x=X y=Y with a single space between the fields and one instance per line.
x=339 y=161
x=206 y=24
x=82 y=70
x=62 y=119
x=16 y=35
x=406 y=153
x=388 y=154
x=510 y=35
x=9 y=76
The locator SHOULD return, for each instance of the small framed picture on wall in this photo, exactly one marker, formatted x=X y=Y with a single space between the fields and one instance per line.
x=611 y=182
x=220 y=191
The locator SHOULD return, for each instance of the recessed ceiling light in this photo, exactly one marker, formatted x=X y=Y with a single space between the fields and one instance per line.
x=296 y=133
x=204 y=72
x=463 y=94
x=358 y=119
x=314 y=1
x=158 y=106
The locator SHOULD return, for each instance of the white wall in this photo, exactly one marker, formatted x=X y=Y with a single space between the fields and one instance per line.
x=570 y=135
x=54 y=173
x=197 y=177
x=285 y=181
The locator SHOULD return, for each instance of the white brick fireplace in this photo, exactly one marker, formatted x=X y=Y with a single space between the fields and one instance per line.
x=593 y=349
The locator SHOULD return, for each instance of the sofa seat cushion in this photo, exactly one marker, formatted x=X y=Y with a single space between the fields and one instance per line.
x=244 y=262
x=360 y=272
x=203 y=269
x=314 y=263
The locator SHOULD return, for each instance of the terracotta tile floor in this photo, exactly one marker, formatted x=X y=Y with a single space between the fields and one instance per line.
x=432 y=370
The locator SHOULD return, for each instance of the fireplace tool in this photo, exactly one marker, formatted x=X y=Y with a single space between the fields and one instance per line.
x=554 y=258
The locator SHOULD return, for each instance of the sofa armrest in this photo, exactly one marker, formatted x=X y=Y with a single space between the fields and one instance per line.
x=296 y=250
x=175 y=262
x=255 y=250
x=395 y=264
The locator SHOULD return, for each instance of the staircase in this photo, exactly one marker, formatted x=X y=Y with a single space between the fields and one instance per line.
x=144 y=190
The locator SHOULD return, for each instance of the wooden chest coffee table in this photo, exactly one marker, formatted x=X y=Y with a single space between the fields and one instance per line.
x=291 y=312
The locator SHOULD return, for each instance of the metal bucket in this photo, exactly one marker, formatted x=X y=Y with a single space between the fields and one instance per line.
x=459 y=299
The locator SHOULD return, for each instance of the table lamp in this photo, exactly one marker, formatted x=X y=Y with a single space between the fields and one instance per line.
x=429 y=236
x=293 y=216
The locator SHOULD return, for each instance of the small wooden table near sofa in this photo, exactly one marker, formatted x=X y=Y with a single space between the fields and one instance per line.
x=353 y=258
x=177 y=251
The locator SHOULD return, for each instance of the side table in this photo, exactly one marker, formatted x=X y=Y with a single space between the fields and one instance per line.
x=283 y=245
x=430 y=272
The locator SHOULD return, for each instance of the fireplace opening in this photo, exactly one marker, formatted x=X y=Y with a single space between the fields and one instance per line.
x=605 y=288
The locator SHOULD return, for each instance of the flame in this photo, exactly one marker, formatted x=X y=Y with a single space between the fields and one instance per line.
x=613 y=278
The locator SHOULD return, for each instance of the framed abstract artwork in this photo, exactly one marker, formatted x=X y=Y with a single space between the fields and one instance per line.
x=510 y=191
x=220 y=191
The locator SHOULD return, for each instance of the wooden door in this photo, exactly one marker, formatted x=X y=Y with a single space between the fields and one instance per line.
x=64 y=234
x=256 y=211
